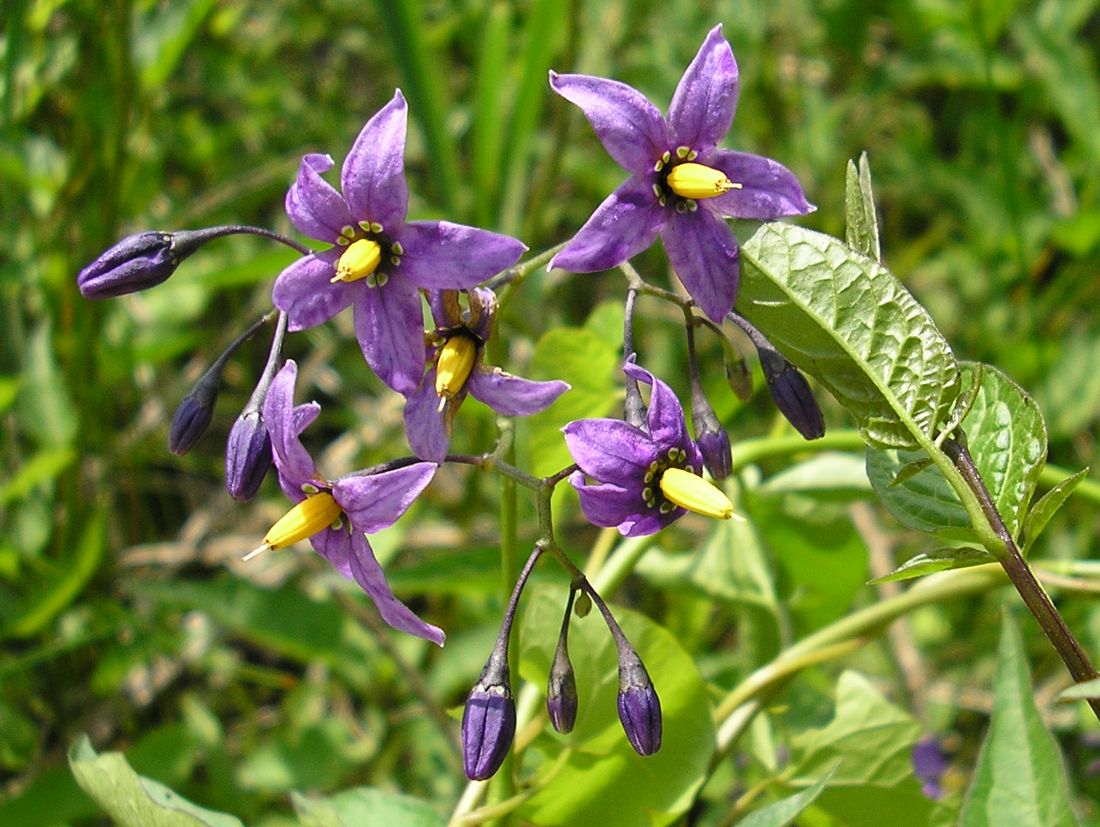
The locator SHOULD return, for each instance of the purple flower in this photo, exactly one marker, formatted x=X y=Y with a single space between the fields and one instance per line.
x=379 y=260
x=455 y=369
x=337 y=515
x=645 y=478
x=681 y=185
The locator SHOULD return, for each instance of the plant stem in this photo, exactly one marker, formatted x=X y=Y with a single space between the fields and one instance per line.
x=1034 y=595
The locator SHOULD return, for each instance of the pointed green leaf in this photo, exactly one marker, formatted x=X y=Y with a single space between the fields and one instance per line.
x=1020 y=778
x=1007 y=439
x=782 y=813
x=132 y=800
x=939 y=560
x=844 y=319
x=1047 y=506
x=861 y=229
x=1080 y=691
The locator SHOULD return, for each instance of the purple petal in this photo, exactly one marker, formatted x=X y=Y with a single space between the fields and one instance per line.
x=610 y=450
x=612 y=506
x=622 y=226
x=291 y=457
x=314 y=206
x=389 y=325
x=511 y=395
x=305 y=292
x=440 y=255
x=369 y=575
x=630 y=128
x=706 y=97
x=704 y=255
x=334 y=544
x=768 y=189
x=425 y=425
x=665 y=416
x=375 y=501
x=373 y=176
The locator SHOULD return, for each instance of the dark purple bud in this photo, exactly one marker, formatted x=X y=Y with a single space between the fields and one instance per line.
x=713 y=441
x=639 y=706
x=929 y=764
x=139 y=262
x=489 y=719
x=792 y=394
x=561 y=689
x=195 y=412
x=247 y=456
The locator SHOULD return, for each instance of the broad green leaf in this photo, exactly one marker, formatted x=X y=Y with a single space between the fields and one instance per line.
x=1020 y=778
x=782 y=813
x=366 y=807
x=1080 y=691
x=938 y=560
x=1007 y=439
x=602 y=780
x=869 y=742
x=1047 y=506
x=313 y=758
x=45 y=406
x=41 y=467
x=844 y=319
x=861 y=227
x=132 y=800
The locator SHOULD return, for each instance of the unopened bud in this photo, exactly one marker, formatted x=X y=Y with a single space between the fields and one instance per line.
x=713 y=441
x=583 y=605
x=739 y=378
x=792 y=394
x=639 y=706
x=247 y=456
x=139 y=262
x=561 y=689
x=194 y=414
x=489 y=719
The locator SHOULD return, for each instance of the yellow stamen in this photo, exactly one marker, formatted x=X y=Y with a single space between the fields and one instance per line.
x=313 y=514
x=694 y=493
x=456 y=360
x=359 y=260
x=697 y=181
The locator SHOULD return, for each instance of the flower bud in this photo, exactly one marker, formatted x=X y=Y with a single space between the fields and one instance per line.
x=639 y=706
x=489 y=719
x=247 y=456
x=739 y=377
x=194 y=414
x=561 y=689
x=713 y=441
x=140 y=261
x=583 y=605
x=792 y=394
x=929 y=764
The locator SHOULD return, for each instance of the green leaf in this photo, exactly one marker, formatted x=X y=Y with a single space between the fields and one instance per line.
x=869 y=742
x=1008 y=442
x=366 y=807
x=1047 y=506
x=782 y=813
x=844 y=319
x=1020 y=778
x=1081 y=691
x=941 y=559
x=45 y=406
x=861 y=228
x=41 y=467
x=132 y=800
x=603 y=781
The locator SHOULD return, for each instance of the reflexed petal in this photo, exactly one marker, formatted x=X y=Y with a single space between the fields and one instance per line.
x=334 y=544
x=440 y=255
x=706 y=97
x=665 y=416
x=305 y=292
x=612 y=506
x=314 y=206
x=375 y=501
x=704 y=255
x=610 y=450
x=369 y=575
x=373 y=176
x=511 y=395
x=389 y=325
x=291 y=457
x=768 y=189
x=630 y=128
x=622 y=226
x=425 y=425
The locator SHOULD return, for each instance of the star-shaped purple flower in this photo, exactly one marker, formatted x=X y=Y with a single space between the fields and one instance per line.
x=364 y=503
x=379 y=260
x=681 y=185
x=628 y=463
x=430 y=410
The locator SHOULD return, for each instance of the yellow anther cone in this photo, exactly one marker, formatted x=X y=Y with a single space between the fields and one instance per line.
x=452 y=369
x=694 y=493
x=311 y=515
x=359 y=260
x=697 y=181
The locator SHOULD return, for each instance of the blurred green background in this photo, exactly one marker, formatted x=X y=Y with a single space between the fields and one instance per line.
x=124 y=611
